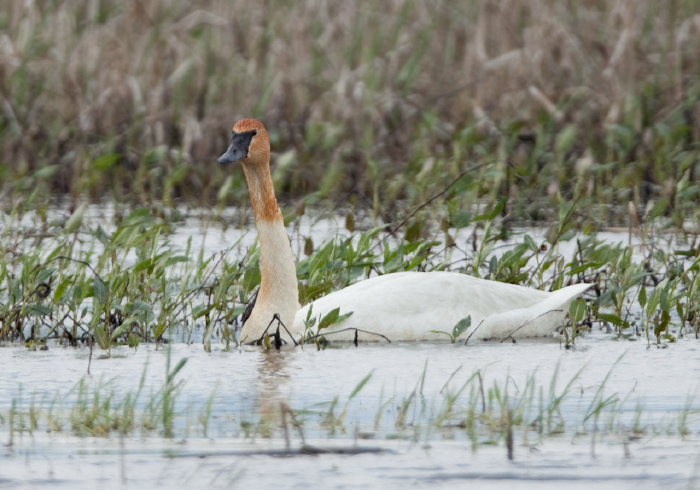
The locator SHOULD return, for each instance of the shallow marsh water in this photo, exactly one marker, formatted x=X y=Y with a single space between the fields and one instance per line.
x=248 y=383
x=650 y=388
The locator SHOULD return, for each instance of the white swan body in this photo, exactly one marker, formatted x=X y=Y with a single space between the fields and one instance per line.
x=412 y=305
x=399 y=306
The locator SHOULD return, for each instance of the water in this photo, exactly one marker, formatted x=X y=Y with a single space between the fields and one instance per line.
x=646 y=386
x=249 y=383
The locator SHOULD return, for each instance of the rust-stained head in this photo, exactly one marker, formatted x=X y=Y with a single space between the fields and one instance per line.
x=249 y=143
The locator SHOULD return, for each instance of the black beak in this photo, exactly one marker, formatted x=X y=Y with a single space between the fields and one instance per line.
x=240 y=144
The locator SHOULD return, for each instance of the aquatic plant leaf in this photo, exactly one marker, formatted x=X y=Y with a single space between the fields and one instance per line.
x=158 y=329
x=565 y=212
x=332 y=317
x=490 y=215
x=180 y=364
x=565 y=139
x=653 y=301
x=106 y=162
x=614 y=319
x=75 y=220
x=100 y=291
x=329 y=319
x=101 y=337
x=530 y=243
x=360 y=385
x=123 y=327
x=461 y=326
x=642 y=297
x=461 y=219
x=38 y=310
x=60 y=289
x=577 y=309
x=46 y=172
x=200 y=310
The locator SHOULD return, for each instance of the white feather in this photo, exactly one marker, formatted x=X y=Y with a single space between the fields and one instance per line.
x=410 y=305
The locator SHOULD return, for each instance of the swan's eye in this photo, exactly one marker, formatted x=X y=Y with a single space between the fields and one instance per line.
x=255 y=131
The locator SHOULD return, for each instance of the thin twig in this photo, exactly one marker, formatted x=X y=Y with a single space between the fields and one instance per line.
x=441 y=193
x=302 y=451
x=528 y=322
x=314 y=337
x=474 y=331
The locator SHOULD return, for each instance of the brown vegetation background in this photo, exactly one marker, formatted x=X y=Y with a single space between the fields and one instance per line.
x=135 y=99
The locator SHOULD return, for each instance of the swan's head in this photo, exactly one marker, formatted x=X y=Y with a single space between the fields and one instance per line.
x=249 y=143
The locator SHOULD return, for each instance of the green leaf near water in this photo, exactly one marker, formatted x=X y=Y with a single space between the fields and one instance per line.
x=46 y=172
x=332 y=317
x=60 y=290
x=101 y=337
x=100 y=291
x=106 y=162
x=653 y=302
x=461 y=326
x=38 y=310
x=491 y=214
x=158 y=330
x=200 y=310
x=565 y=212
x=360 y=385
x=614 y=319
x=75 y=220
x=642 y=297
x=577 y=310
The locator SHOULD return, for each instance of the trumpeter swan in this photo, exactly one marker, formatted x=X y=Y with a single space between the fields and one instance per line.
x=400 y=306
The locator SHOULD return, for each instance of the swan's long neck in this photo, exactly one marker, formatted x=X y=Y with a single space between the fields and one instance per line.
x=279 y=291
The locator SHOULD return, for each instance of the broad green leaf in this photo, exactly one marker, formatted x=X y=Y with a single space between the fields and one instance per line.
x=642 y=297
x=329 y=319
x=461 y=326
x=60 y=290
x=36 y=309
x=100 y=291
x=105 y=162
x=614 y=319
x=75 y=220
x=101 y=337
x=577 y=310
x=46 y=172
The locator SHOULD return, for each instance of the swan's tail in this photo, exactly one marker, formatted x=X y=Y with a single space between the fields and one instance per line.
x=539 y=320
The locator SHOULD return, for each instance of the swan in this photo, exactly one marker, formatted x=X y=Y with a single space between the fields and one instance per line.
x=406 y=306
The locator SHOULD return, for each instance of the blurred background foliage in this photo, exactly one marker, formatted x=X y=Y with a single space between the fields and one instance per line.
x=595 y=101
